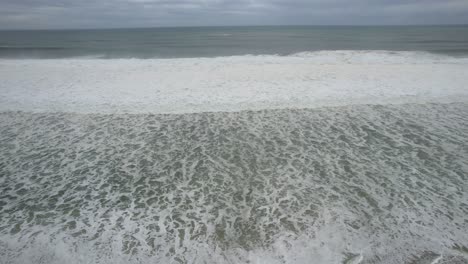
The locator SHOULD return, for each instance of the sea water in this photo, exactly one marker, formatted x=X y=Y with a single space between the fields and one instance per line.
x=324 y=145
x=229 y=41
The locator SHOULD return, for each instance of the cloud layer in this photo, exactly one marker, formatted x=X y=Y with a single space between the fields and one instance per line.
x=22 y=14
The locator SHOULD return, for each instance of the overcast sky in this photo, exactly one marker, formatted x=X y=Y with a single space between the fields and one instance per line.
x=38 y=14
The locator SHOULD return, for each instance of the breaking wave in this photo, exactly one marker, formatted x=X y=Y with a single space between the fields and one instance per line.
x=321 y=56
x=250 y=82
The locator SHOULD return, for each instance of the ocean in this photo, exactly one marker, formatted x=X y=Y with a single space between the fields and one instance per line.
x=234 y=145
x=229 y=41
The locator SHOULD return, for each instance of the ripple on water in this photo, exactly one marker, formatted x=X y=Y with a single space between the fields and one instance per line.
x=358 y=184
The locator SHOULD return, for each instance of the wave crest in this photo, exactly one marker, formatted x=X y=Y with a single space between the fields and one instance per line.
x=376 y=57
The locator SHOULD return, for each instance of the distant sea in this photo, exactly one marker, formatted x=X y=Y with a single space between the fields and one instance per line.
x=229 y=41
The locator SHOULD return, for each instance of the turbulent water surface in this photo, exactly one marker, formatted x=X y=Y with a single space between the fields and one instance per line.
x=234 y=145
x=354 y=184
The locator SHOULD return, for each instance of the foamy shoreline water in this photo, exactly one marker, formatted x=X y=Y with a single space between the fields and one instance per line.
x=363 y=160
x=355 y=184
x=304 y=80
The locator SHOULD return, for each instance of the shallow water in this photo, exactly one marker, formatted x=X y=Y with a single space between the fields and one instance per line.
x=368 y=184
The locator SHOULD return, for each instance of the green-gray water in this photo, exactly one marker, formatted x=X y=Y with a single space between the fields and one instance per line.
x=376 y=184
x=229 y=41
x=93 y=171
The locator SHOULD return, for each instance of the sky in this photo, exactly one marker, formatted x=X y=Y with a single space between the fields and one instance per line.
x=59 y=14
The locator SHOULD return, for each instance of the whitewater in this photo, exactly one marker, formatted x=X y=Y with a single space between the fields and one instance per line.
x=303 y=80
x=313 y=157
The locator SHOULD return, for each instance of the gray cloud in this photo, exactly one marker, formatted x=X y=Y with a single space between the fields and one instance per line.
x=21 y=14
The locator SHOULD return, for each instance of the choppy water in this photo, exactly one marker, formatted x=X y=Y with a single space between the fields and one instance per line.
x=368 y=184
x=229 y=41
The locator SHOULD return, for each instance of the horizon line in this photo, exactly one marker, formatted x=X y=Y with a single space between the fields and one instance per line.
x=233 y=26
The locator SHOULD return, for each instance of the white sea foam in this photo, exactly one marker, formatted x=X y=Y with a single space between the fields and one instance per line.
x=376 y=184
x=378 y=57
x=302 y=80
